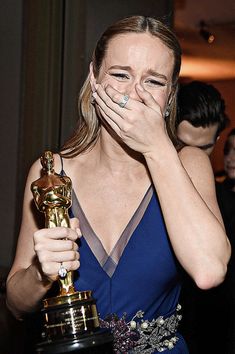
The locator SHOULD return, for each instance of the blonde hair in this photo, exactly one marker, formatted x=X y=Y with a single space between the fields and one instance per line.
x=88 y=125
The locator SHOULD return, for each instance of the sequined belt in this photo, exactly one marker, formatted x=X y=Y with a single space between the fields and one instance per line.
x=140 y=336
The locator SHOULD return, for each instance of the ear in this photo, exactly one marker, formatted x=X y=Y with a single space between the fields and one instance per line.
x=92 y=77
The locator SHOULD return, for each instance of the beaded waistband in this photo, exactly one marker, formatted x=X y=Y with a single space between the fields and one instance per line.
x=142 y=336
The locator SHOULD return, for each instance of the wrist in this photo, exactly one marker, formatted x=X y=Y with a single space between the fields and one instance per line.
x=160 y=153
x=40 y=276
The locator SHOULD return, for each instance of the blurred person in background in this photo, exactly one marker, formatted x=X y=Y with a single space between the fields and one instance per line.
x=225 y=191
x=201 y=115
x=200 y=120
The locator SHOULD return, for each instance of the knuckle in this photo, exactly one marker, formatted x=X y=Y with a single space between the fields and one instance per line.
x=37 y=247
x=36 y=236
x=76 y=264
x=125 y=128
x=116 y=97
x=37 y=233
x=42 y=258
x=65 y=232
x=74 y=222
x=71 y=245
x=73 y=255
x=46 y=268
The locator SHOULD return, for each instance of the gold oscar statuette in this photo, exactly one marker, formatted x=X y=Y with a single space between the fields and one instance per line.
x=70 y=319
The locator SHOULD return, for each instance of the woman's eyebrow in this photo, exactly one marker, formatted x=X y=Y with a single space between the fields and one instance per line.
x=156 y=74
x=122 y=67
x=148 y=72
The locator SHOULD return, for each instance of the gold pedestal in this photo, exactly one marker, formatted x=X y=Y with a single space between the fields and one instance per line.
x=71 y=325
x=70 y=320
x=70 y=315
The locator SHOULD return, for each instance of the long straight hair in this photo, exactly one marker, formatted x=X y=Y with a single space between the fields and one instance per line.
x=88 y=126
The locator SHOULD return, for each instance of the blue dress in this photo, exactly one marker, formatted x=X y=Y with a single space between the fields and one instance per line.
x=138 y=282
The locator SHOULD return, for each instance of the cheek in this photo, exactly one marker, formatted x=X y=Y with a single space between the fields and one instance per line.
x=106 y=80
x=160 y=97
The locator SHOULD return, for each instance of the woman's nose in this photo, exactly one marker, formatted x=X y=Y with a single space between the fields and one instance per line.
x=131 y=91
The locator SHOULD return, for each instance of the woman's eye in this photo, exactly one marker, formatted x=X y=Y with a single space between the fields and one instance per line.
x=120 y=76
x=155 y=82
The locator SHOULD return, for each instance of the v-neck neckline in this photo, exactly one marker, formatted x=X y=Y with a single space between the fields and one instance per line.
x=109 y=262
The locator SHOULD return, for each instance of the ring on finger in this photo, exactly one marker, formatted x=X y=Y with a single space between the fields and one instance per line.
x=62 y=272
x=124 y=101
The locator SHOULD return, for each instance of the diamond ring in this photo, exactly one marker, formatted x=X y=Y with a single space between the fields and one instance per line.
x=62 y=272
x=124 y=101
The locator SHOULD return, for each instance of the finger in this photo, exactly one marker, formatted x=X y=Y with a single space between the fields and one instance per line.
x=114 y=99
x=68 y=256
x=50 y=269
x=111 y=122
x=56 y=233
x=121 y=101
x=108 y=113
x=74 y=223
x=74 y=265
x=48 y=257
x=56 y=246
x=147 y=98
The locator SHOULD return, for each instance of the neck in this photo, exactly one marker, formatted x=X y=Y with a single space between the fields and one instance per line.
x=116 y=156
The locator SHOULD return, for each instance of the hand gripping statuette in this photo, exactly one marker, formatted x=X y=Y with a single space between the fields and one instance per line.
x=70 y=319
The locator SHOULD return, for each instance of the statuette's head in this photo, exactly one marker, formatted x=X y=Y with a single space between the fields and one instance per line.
x=47 y=161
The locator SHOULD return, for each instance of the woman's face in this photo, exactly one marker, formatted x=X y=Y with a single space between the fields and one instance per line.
x=229 y=158
x=138 y=59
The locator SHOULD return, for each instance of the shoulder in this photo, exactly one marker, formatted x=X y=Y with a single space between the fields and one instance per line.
x=188 y=152
x=58 y=163
x=199 y=169
x=35 y=171
x=195 y=161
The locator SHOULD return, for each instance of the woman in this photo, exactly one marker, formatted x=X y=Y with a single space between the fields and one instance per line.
x=144 y=208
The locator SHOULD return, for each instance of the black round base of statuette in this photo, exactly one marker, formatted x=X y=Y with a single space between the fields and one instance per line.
x=101 y=342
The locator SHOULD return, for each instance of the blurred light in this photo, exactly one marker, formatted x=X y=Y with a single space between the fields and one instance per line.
x=205 y=33
x=208 y=36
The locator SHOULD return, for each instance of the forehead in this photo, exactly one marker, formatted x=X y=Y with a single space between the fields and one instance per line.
x=196 y=136
x=139 y=49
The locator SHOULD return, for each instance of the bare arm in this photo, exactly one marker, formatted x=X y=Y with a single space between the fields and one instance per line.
x=186 y=190
x=38 y=256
